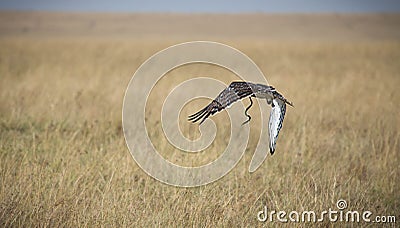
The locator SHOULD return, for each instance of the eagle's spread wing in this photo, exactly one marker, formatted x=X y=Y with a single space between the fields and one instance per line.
x=234 y=92
x=275 y=122
x=239 y=90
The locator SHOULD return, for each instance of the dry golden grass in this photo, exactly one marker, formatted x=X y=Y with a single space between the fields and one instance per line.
x=64 y=160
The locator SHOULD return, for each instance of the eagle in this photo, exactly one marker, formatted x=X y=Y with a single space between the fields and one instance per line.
x=239 y=90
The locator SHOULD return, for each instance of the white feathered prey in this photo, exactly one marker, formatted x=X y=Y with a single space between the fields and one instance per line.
x=240 y=90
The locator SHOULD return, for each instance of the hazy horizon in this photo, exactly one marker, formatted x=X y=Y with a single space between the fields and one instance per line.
x=207 y=6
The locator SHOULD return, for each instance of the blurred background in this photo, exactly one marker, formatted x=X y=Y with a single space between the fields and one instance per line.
x=65 y=65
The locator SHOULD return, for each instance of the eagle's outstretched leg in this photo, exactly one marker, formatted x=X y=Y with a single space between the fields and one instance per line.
x=245 y=112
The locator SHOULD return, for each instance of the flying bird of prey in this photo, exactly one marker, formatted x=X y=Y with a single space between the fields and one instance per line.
x=240 y=90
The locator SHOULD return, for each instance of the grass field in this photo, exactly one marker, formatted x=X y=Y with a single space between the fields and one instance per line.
x=64 y=161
